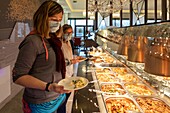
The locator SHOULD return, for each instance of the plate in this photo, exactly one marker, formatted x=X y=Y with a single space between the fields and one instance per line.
x=74 y=83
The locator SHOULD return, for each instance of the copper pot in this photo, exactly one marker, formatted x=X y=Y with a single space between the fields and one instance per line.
x=123 y=47
x=136 y=49
x=157 y=59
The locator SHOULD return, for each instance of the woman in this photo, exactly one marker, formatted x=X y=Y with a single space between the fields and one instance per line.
x=36 y=67
x=67 y=49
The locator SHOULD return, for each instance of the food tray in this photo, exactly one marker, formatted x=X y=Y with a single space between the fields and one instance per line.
x=106 y=77
x=153 y=105
x=112 y=89
x=120 y=70
x=128 y=77
x=121 y=105
x=103 y=70
x=139 y=89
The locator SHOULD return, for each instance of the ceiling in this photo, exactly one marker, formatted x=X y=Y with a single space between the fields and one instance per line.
x=80 y=5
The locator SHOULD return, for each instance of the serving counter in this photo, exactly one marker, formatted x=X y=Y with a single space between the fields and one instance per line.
x=117 y=86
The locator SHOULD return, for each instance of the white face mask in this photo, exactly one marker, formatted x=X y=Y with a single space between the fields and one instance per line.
x=54 y=26
x=67 y=37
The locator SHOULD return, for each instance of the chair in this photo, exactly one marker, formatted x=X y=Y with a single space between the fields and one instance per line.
x=77 y=42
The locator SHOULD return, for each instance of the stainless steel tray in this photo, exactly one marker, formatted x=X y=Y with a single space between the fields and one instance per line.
x=113 y=89
x=121 y=104
x=139 y=89
x=150 y=104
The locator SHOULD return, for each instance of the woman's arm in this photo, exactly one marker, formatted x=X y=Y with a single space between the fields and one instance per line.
x=32 y=82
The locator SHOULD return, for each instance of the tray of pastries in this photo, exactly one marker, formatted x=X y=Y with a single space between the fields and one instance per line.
x=103 y=77
x=112 y=89
x=128 y=77
x=153 y=105
x=103 y=70
x=139 y=89
x=121 y=105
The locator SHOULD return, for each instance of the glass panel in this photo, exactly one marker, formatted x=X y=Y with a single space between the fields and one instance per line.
x=151 y=11
x=72 y=23
x=83 y=22
x=168 y=10
x=138 y=12
x=159 y=7
x=126 y=22
x=126 y=15
x=79 y=31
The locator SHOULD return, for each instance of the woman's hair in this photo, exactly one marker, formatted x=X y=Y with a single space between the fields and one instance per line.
x=66 y=27
x=40 y=19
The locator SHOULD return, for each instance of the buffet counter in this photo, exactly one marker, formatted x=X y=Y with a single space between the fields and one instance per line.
x=118 y=86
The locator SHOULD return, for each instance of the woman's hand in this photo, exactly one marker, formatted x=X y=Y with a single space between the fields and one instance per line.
x=74 y=61
x=57 y=88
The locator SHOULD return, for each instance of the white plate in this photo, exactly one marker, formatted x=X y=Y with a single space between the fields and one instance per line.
x=69 y=84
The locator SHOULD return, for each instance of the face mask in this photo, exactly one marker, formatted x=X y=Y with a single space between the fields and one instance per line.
x=67 y=37
x=54 y=26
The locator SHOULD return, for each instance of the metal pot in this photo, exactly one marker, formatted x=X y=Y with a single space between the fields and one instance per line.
x=123 y=47
x=157 y=58
x=136 y=49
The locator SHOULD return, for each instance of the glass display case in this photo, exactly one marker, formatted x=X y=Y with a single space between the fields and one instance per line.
x=128 y=73
x=122 y=86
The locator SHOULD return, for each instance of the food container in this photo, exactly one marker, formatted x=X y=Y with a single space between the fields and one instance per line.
x=120 y=70
x=117 y=64
x=128 y=77
x=112 y=89
x=139 y=89
x=121 y=105
x=153 y=105
x=103 y=70
x=106 y=77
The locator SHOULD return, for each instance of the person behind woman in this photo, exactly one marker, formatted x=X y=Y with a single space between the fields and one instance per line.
x=37 y=68
x=67 y=51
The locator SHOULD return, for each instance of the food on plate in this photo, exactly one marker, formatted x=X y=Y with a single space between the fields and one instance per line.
x=113 y=88
x=138 y=89
x=120 y=105
x=153 y=105
x=77 y=83
x=106 y=77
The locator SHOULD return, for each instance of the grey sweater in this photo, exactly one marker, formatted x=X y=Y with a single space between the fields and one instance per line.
x=32 y=61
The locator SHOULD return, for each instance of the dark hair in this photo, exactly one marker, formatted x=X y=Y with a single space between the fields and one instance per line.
x=65 y=27
x=40 y=19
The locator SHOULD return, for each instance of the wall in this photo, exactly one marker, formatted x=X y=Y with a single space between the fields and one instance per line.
x=11 y=35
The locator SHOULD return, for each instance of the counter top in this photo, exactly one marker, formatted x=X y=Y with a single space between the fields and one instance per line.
x=85 y=101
